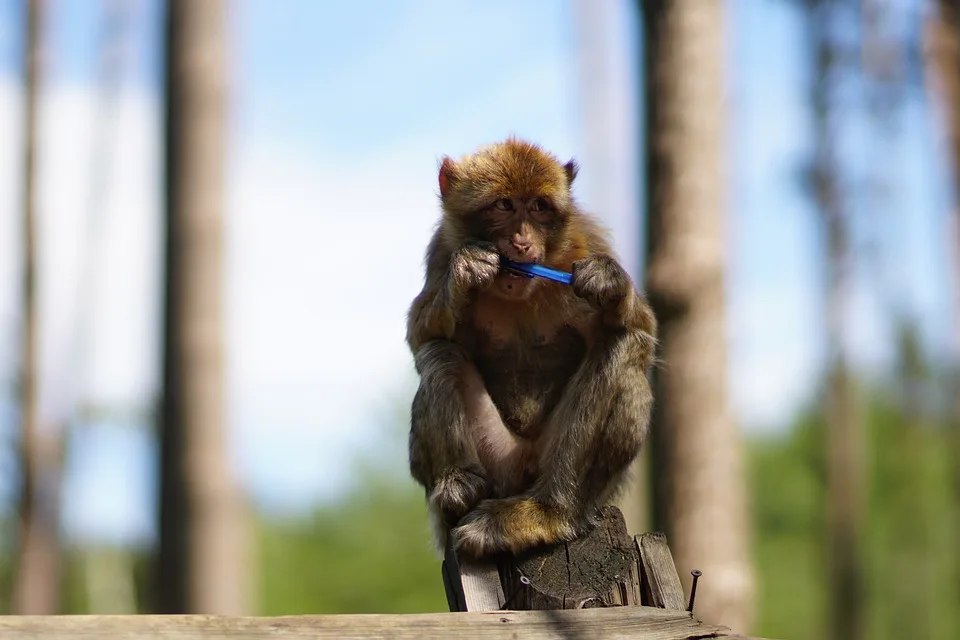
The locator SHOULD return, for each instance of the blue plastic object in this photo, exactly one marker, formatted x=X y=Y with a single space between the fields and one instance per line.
x=531 y=270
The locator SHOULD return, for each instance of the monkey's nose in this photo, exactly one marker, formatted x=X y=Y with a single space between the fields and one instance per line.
x=522 y=247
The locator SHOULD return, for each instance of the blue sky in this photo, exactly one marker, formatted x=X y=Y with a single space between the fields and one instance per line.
x=339 y=113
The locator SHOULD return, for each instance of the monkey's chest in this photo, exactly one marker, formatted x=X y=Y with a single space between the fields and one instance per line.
x=526 y=377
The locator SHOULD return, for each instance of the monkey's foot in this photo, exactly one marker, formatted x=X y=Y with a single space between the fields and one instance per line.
x=459 y=491
x=512 y=525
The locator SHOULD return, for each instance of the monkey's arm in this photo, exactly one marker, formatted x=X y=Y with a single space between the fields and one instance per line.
x=443 y=457
x=459 y=447
x=449 y=280
x=592 y=435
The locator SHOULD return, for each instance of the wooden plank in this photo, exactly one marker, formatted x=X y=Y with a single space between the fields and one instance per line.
x=618 y=623
x=660 y=581
x=474 y=586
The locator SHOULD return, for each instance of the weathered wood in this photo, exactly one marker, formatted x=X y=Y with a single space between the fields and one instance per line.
x=660 y=580
x=603 y=568
x=599 y=569
x=473 y=586
x=635 y=623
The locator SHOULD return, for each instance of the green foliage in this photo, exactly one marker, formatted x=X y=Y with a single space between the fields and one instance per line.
x=371 y=553
x=909 y=548
x=788 y=480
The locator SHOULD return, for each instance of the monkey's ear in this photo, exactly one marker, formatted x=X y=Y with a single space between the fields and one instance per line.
x=571 y=169
x=448 y=175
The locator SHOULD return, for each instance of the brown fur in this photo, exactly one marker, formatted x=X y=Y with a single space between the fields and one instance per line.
x=533 y=396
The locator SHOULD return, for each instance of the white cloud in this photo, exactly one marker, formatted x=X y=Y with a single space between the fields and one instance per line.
x=774 y=356
x=121 y=368
x=609 y=165
x=112 y=358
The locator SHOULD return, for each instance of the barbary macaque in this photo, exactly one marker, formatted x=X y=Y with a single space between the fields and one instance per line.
x=533 y=396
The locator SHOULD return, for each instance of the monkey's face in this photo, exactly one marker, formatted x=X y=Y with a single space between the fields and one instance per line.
x=514 y=195
x=521 y=229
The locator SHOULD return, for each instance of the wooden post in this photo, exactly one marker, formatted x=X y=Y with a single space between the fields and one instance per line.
x=604 y=568
x=661 y=583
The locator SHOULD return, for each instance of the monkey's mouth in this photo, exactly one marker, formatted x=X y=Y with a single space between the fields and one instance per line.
x=511 y=273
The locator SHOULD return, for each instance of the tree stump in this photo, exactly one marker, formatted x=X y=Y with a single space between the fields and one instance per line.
x=604 y=568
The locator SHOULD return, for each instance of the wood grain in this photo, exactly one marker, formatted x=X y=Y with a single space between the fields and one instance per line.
x=660 y=581
x=603 y=568
x=636 y=623
x=599 y=569
x=472 y=586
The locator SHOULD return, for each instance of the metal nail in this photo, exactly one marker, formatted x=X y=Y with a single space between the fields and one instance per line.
x=696 y=573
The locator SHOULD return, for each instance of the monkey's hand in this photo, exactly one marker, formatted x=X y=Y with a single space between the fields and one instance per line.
x=473 y=267
x=600 y=280
x=436 y=310
x=459 y=491
x=511 y=525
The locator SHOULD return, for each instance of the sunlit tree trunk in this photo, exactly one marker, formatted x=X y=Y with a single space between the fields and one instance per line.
x=36 y=588
x=700 y=497
x=203 y=564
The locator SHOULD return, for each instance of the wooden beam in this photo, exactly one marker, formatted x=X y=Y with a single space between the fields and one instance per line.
x=635 y=623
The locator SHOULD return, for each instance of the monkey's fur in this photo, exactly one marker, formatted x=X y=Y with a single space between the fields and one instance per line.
x=533 y=397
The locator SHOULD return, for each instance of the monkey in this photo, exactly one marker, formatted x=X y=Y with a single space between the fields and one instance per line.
x=533 y=396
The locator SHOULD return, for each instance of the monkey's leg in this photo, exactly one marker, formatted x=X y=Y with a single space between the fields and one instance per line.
x=593 y=435
x=460 y=451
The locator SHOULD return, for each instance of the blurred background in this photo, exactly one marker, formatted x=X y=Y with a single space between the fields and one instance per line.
x=211 y=227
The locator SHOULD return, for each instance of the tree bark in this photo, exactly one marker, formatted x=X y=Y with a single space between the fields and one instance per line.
x=700 y=496
x=203 y=563
x=36 y=588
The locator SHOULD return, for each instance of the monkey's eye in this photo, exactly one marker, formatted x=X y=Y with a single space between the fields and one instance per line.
x=541 y=210
x=540 y=204
x=504 y=204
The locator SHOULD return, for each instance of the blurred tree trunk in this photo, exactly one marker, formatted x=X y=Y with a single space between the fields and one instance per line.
x=203 y=564
x=943 y=60
x=844 y=422
x=700 y=497
x=908 y=553
x=900 y=457
x=943 y=63
x=36 y=588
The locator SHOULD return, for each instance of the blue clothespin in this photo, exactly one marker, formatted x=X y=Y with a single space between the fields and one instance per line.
x=531 y=270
